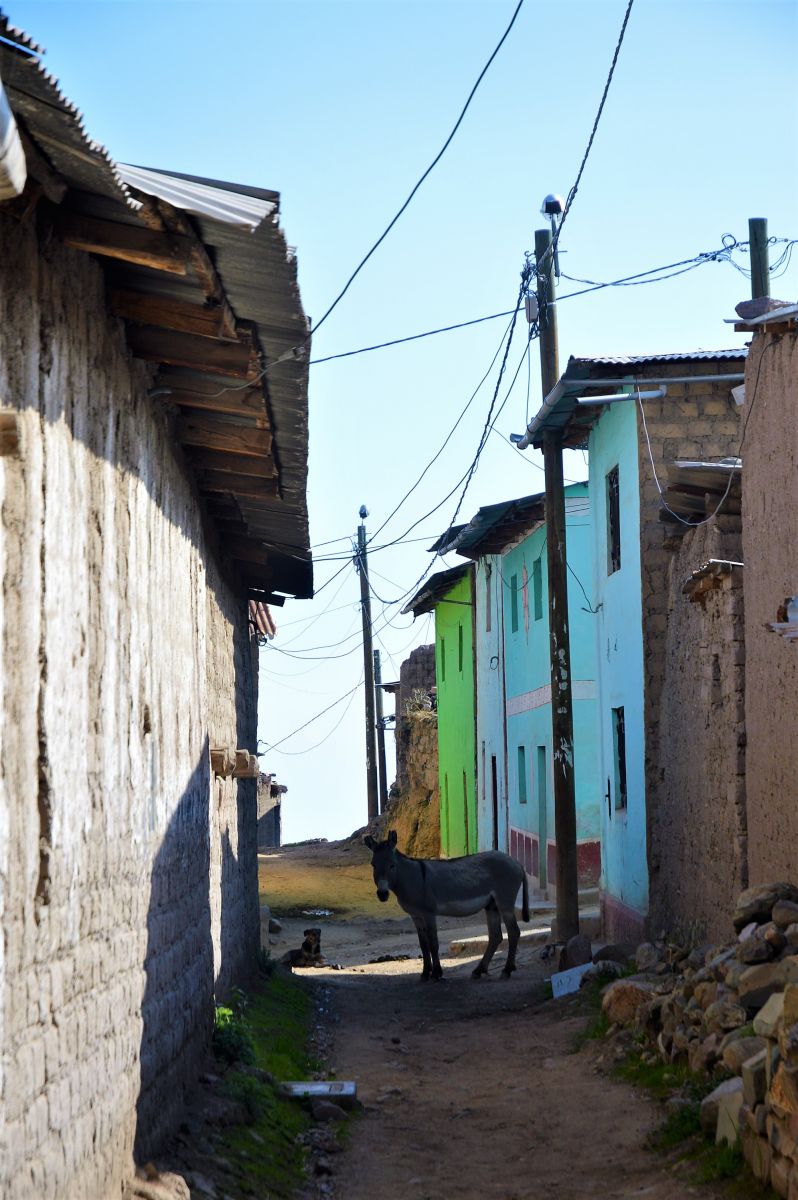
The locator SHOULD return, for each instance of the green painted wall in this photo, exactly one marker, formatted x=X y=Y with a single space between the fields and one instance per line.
x=454 y=669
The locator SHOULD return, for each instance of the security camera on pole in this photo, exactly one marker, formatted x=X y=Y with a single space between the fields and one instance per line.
x=368 y=666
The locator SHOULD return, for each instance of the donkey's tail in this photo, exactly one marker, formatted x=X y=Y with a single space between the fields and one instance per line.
x=525 y=909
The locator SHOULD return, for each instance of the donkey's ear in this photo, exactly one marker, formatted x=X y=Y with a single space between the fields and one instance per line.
x=392 y=838
x=368 y=840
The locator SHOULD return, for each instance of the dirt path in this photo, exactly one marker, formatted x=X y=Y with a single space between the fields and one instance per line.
x=471 y=1088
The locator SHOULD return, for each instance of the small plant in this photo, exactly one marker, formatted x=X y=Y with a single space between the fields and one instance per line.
x=249 y=1092
x=720 y=1162
x=266 y=964
x=232 y=1037
x=679 y=1125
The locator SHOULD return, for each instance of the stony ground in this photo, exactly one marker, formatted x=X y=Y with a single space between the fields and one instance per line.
x=470 y=1088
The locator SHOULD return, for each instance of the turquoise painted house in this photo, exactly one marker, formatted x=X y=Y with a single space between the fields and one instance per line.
x=634 y=416
x=513 y=694
x=450 y=595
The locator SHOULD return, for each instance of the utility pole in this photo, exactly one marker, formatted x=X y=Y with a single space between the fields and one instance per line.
x=760 y=264
x=368 y=665
x=562 y=720
x=381 y=770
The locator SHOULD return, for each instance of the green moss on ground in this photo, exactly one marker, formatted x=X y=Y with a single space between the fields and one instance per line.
x=265 y=1157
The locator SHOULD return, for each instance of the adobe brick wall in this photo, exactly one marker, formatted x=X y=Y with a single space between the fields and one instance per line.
x=695 y=420
x=701 y=751
x=770 y=545
x=417 y=673
x=128 y=884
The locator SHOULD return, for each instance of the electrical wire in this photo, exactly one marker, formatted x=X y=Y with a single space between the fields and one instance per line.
x=327 y=736
x=722 y=254
x=750 y=407
x=423 y=177
x=273 y=745
x=575 y=187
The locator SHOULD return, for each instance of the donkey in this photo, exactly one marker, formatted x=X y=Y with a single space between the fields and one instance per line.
x=427 y=888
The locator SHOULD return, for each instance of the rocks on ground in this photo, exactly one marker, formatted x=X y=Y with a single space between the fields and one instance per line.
x=730 y=1008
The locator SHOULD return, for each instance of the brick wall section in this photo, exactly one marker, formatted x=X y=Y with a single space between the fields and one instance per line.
x=695 y=420
x=128 y=887
x=770 y=544
x=417 y=673
x=703 y=859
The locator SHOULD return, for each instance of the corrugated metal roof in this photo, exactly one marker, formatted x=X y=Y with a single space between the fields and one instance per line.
x=436 y=587
x=495 y=525
x=252 y=471
x=202 y=199
x=561 y=410
x=638 y=360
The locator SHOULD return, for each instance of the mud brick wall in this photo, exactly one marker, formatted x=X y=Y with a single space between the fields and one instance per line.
x=696 y=421
x=703 y=849
x=770 y=546
x=128 y=888
x=417 y=673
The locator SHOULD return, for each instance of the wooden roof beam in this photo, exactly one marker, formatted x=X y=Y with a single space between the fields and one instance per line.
x=234 y=360
x=224 y=435
x=202 y=320
x=178 y=223
x=129 y=243
x=253 y=468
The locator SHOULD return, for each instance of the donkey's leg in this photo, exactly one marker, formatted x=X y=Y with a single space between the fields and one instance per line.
x=432 y=935
x=513 y=934
x=423 y=941
x=494 y=939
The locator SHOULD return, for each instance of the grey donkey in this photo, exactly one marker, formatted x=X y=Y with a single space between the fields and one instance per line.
x=427 y=888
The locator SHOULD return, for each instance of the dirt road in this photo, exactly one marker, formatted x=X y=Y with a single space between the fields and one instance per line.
x=471 y=1088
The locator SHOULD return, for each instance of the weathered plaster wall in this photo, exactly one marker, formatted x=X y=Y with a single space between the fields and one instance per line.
x=701 y=742
x=128 y=888
x=698 y=421
x=770 y=548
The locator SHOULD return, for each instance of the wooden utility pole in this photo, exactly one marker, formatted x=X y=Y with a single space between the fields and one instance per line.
x=368 y=666
x=381 y=769
x=562 y=719
x=760 y=262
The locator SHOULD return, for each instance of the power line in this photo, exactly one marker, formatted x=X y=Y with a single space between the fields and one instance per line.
x=327 y=736
x=572 y=194
x=273 y=745
x=721 y=254
x=426 y=173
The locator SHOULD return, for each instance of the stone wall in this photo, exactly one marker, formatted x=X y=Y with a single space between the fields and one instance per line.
x=698 y=421
x=416 y=674
x=701 y=743
x=770 y=545
x=128 y=881
x=414 y=811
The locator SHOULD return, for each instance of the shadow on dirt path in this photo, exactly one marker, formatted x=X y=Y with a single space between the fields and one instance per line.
x=471 y=1088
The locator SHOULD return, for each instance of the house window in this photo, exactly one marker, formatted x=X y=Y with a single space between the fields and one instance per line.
x=460 y=648
x=537 y=588
x=487 y=604
x=619 y=755
x=443 y=660
x=613 y=523
x=522 y=775
x=514 y=603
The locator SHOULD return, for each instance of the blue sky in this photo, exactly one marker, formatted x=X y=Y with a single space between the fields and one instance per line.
x=340 y=105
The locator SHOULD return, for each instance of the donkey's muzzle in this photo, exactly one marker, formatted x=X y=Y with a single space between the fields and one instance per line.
x=383 y=894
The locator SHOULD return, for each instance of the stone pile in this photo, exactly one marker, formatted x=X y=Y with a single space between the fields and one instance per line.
x=731 y=1011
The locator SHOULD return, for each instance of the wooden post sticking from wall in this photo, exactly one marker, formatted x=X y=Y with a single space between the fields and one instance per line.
x=9 y=433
